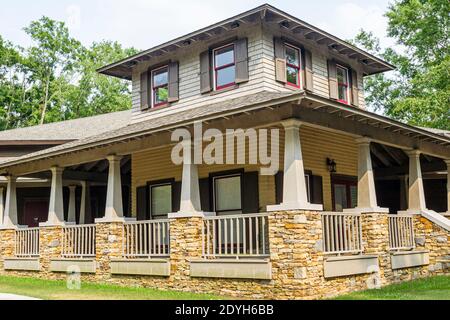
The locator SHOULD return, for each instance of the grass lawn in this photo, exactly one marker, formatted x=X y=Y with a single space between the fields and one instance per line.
x=435 y=288
x=57 y=290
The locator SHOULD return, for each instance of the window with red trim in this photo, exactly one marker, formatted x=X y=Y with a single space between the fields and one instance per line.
x=224 y=67
x=160 y=86
x=343 y=84
x=293 y=66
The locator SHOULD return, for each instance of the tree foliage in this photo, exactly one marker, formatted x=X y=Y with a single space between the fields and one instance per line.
x=418 y=92
x=55 y=79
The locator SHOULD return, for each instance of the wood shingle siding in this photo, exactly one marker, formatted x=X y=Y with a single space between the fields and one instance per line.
x=196 y=91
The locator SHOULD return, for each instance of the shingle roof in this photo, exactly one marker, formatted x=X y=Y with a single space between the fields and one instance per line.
x=160 y=122
x=69 y=130
x=441 y=132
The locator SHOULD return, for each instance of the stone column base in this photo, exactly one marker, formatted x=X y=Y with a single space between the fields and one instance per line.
x=50 y=246
x=109 y=242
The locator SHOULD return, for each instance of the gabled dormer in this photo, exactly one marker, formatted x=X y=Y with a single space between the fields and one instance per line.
x=264 y=49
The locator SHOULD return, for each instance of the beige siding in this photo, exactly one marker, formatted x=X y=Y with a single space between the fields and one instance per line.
x=317 y=145
x=320 y=74
x=190 y=96
x=261 y=73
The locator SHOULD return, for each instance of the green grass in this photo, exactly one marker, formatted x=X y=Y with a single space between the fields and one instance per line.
x=435 y=288
x=57 y=290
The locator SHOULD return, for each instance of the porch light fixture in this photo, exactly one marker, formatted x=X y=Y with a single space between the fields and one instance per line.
x=331 y=164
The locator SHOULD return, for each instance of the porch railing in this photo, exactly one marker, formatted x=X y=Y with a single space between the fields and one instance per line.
x=237 y=236
x=27 y=243
x=401 y=232
x=78 y=241
x=146 y=239
x=342 y=233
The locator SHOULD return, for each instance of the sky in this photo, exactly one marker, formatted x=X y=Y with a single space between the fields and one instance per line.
x=145 y=23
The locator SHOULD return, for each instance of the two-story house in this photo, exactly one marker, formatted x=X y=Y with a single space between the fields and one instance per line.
x=308 y=230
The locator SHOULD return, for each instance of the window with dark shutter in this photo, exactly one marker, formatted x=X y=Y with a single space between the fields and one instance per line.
x=145 y=91
x=280 y=60
x=205 y=72
x=173 y=82
x=251 y=193
x=241 y=48
x=332 y=76
x=316 y=190
x=176 y=196
x=142 y=204
x=205 y=194
x=308 y=84
x=355 y=89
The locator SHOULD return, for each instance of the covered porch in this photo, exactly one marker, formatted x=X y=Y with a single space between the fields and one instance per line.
x=336 y=163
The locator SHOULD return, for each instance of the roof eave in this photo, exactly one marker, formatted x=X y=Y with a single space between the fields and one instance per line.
x=111 y=69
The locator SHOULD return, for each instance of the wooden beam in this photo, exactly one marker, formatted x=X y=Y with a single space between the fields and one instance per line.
x=379 y=155
x=426 y=168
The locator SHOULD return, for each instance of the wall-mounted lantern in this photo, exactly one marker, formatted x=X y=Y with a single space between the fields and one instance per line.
x=331 y=164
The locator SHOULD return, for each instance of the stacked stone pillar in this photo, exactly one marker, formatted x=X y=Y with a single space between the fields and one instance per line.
x=375 y=236
x=185 y=245
x=109 y=239
x=49 y=247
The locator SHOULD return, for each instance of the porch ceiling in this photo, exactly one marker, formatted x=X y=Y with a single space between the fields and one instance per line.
x=248 y=111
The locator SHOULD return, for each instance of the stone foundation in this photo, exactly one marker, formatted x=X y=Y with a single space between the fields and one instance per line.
x=296 y=257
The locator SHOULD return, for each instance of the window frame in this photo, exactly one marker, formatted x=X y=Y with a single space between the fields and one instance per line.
x=298 y=68
x=214 y=194
x=153 y=88
x=346 y=85
x=216 y=69
x=348 y=182
x=150 y=197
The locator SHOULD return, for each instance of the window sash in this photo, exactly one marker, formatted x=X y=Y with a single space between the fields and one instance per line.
x=216 y=194
x=297 y=67
x=345 y=85
x=154 y=215
x=161 y=86
x=222 y=67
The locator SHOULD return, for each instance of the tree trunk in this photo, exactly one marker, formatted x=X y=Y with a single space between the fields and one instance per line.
x=44 y=109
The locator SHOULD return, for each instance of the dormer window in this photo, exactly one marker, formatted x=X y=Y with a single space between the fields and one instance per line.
x=293 y=66
x=160 y=86
x=224 y=67
x=343 y=84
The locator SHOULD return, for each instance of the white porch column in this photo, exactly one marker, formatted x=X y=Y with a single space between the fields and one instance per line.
x=56 y=205
x=294 y=185
x=2 y=205
x=190 y=205
x=72 y=204
x=367 y=196
x=448 y=188
x=10 y=213
x=114 y=205
x=416 y=194
x=85 y=202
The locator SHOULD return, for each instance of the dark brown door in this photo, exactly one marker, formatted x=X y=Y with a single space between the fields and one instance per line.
x=35 y=211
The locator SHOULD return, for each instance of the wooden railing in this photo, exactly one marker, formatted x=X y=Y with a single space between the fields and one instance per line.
x=342 y=233
x=401 y=232
x=238 y=236
x=146 y=239
x=27 y=243
x=78 y=241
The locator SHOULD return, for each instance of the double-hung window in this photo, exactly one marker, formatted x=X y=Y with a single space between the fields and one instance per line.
x=160 y=86
x=293 y=66
x=343 y=84
x=224 y=67
x=160 y=200
x=227 y=195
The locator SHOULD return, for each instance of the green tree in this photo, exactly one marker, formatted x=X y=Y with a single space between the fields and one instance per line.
x=418 y=92
x=53 y=62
